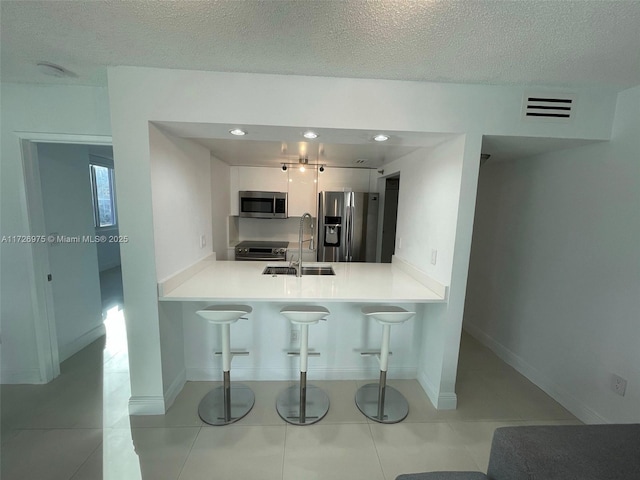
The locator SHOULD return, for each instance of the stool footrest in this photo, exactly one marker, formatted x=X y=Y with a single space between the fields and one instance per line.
x=296 y=354
x=369 y=353
x=235 y=354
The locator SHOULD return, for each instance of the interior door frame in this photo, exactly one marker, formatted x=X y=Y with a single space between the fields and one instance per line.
x=41 y=291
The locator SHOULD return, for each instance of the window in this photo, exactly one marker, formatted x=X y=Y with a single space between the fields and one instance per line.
x=104 y=209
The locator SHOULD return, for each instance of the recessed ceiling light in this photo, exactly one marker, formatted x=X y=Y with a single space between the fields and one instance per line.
x=238 y=132
x=54 y=70
x=381 y=138
x=310 y=134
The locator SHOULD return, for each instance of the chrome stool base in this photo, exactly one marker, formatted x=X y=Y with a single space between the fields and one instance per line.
x=395 y=407
x=316 y=405
x=212 y=407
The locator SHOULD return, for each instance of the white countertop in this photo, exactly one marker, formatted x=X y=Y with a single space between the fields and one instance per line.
x=353 y=282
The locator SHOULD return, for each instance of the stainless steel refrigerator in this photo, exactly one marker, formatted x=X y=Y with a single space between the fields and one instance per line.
x=347 y=226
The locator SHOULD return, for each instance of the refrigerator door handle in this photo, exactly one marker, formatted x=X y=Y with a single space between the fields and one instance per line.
x=347 y=242
x=350 y=228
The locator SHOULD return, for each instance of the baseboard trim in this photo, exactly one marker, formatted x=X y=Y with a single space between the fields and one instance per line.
x=440 y=400
x=147 y=405
x=199 y=374
x=11 y=376
x=174 y=389
x=73 y=347
x=555 y=391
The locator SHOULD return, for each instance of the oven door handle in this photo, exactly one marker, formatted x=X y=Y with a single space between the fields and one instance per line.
x=276 y=259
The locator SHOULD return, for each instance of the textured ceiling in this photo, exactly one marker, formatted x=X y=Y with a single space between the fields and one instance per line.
x=583 y=43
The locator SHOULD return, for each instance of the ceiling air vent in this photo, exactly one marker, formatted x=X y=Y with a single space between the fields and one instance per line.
x=558 y=107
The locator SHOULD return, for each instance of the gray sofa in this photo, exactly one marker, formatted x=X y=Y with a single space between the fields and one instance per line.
x=576 y=452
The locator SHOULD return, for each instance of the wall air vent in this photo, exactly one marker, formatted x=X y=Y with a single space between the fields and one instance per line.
x=557 y=107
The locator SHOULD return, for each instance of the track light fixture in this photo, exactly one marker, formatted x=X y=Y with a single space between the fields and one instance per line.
x=302 y=164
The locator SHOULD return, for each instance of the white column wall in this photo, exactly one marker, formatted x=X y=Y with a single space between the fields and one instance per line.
x=435 y=211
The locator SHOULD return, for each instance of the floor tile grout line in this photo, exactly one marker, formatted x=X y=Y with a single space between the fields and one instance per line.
x=284 y=448
x=466 y=447
x=86 y=460
x=186 y=459
x=375 y=446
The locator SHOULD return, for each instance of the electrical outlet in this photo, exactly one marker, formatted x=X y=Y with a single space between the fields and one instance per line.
x=434 y=256
x=295 y=336
x=203 y=241
x=619 y=385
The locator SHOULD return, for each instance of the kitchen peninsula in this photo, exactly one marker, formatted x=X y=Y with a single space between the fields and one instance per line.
x=268 y=336
x=352 y=282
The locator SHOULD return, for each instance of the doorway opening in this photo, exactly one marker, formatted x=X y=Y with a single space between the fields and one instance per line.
x=76 y=271
x=389 y=218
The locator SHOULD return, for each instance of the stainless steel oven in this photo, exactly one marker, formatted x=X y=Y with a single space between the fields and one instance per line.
x=258 y=250
x=263 y=204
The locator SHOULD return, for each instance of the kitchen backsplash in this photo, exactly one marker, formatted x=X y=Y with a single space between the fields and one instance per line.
x=261 y=229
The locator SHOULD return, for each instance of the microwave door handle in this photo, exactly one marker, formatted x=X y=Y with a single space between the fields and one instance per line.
x=273 y=209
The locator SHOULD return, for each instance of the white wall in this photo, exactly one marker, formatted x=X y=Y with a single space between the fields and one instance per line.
x=182 y=207
x=554 y=279
x=220 y=206
x=68 y=211
x=428 y=206
x=83 y=111
x=141 y=95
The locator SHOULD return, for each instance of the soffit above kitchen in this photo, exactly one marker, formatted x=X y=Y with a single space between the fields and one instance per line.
x=555 y=43
x=267 y=145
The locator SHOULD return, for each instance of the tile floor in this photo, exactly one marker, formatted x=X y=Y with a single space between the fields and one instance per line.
x=77 y=427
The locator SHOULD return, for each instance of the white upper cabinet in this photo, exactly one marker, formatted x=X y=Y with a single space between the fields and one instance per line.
x=303 y=191
x=344 y=180
x=262 y=179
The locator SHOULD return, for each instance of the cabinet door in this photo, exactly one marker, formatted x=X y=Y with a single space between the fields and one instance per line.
x=344 y=180
x=303 y=189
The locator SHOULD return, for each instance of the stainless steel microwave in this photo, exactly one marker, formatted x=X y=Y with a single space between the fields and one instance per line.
x=263 y=204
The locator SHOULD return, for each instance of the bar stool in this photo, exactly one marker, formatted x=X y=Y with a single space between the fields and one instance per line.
x=228 y=403
x=303 y=404
x=378 y=401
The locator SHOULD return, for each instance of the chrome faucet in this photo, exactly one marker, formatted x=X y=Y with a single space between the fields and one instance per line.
x=300 y=241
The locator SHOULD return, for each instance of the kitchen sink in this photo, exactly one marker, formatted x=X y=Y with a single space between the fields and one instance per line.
x=279 y=271
x=310 y=270
x=318 y=270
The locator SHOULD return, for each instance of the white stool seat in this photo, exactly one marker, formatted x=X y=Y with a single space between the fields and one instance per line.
x=304 y=314
x=220 y=314
x=388 y=314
